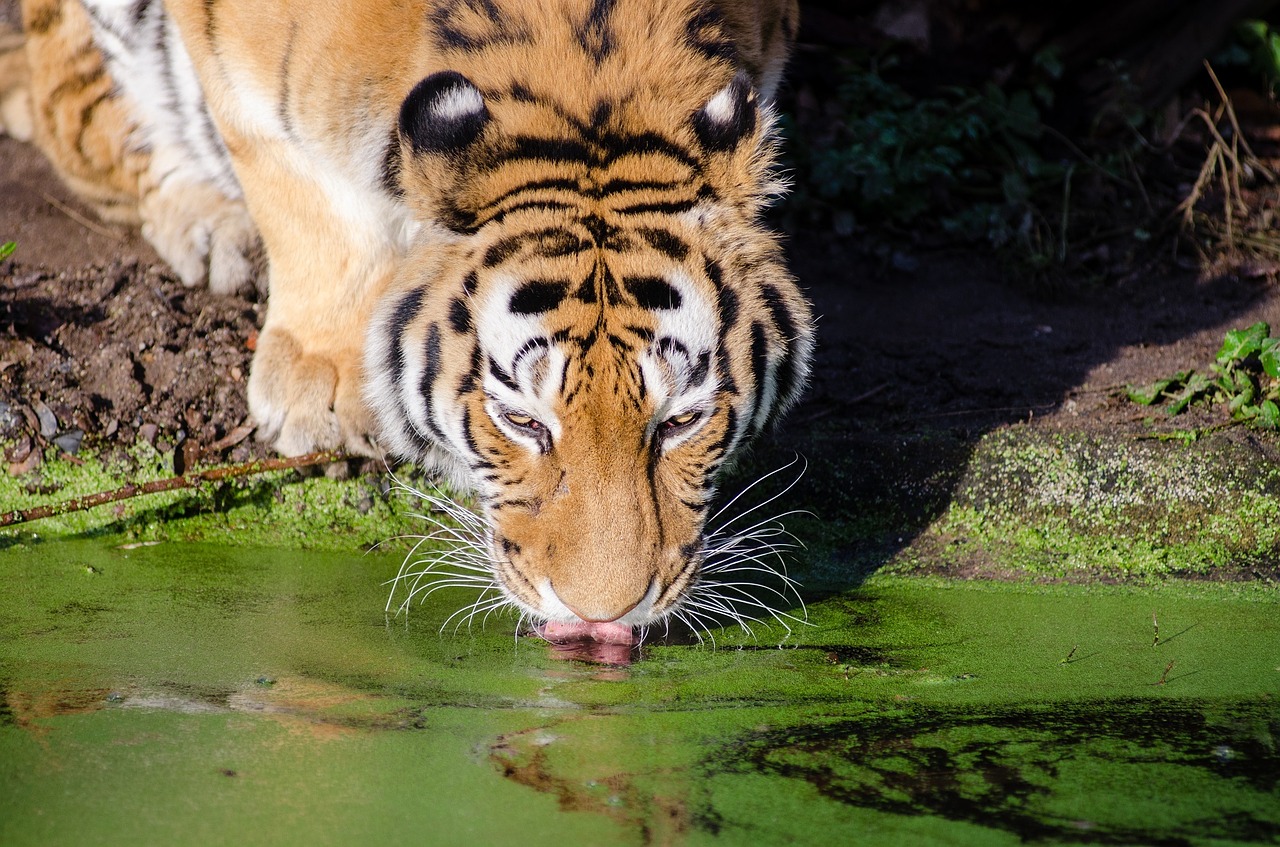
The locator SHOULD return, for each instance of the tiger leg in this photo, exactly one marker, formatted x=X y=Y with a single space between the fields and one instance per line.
x=331 y=234
x=121 y=155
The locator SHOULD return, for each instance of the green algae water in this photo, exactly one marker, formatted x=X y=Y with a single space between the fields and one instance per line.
x=190 y=694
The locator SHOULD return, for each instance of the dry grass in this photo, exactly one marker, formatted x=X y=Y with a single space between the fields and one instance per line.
x=1217 y=214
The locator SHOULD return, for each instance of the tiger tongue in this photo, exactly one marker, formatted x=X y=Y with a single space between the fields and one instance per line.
x=603 y=633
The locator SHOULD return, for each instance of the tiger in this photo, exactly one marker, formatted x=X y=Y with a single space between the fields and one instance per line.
x=520 y=243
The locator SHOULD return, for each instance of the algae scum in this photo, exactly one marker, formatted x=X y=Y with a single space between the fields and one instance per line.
x=203 y=694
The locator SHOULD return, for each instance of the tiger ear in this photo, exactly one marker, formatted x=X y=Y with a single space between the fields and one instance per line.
x=728 y=117
x=443 y=114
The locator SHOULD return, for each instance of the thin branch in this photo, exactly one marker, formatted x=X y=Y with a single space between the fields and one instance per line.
x=173 y=483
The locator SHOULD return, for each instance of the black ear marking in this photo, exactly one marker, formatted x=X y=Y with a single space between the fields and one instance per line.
x=443 y=114
x=729 y=116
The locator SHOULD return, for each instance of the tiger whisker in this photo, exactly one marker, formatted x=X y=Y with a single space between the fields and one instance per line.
x=722 y=527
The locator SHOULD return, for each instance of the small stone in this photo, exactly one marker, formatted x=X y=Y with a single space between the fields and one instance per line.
x=10 y=418
x=48 y=421
x=69 y=442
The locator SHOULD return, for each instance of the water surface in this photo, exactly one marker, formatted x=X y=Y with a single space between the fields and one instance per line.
x=210 y=695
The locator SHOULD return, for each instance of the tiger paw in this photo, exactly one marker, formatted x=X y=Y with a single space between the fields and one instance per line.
x=304 y=401
x=203 y=234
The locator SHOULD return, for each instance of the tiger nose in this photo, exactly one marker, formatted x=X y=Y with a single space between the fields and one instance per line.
x=598 y=607
x=600 y=615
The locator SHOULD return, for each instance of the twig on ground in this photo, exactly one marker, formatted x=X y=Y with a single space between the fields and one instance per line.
x=81 y=219
x=173 y=483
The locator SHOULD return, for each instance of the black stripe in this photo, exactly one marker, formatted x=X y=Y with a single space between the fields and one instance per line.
x=609 y=285
x=586 y=291
x=652 y=292
x=622 y=186
x=642 y=332
x=705 y=33
x=549 y=241
x=672 y=207
x=759 y=367
x=431 y=373
x=714 y=273
x=532 y=148
x=778 y=311
x=601 y=231
x=594 y=35
x=554 y=183
x=555 y=243
x=787 y=369
x=77 y=84
x=721 y=447
x=459 y=316
x=470 y=437
x=665 y=242
x=502 y=376
x=468 y=382
x=448 y=18
x=470 y=283
x=600 y=115
x=210 y=25
x=391 y=165
x=405 y=311
x=700 y=369
x=541 y=205
x=504 y=249
x=728 y=308
x=646 y=142
x=538 y=296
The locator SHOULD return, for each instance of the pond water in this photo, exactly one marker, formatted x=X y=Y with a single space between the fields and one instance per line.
x=206 y=695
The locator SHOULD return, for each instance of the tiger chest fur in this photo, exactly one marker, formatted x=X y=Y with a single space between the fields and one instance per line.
x=519 y=242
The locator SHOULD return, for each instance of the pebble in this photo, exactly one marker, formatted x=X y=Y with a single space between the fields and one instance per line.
x=48 y=420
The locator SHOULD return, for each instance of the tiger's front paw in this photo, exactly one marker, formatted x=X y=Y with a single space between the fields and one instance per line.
x=304 y=401
x=203 y=234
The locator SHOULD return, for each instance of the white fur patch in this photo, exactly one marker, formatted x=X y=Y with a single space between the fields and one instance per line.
x=506 y=337
x=669 y=373
x=722 y=107
x=458 y=102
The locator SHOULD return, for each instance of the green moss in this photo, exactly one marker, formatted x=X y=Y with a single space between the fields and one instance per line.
x=289 y=509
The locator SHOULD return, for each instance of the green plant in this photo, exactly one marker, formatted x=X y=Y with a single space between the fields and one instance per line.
x=1245 y=376
x=960 y=164
x=1256 y=46
x=6 y=249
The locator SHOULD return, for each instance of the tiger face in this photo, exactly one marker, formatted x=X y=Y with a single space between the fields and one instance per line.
x=591 y=339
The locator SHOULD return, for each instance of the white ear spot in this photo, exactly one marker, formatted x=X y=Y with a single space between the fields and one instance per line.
x=729 y=116
x=457 y=102
x=720 y=108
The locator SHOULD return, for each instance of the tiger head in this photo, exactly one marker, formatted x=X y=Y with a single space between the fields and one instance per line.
x=591 y=325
